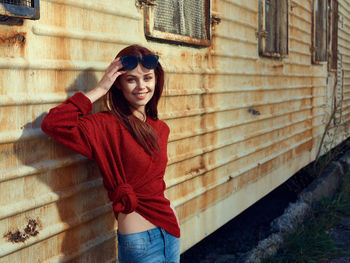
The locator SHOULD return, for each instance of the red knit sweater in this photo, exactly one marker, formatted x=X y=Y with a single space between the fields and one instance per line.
x=133 y=179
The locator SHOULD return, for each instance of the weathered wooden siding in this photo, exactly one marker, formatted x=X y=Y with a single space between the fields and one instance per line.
x=240 y=124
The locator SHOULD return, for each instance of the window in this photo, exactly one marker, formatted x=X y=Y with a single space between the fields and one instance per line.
x=273 y=28
x=20 y=8
x=320 y=28
x=325 y=32
x=179 y=21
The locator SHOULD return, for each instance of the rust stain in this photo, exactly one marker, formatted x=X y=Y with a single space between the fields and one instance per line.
x=12 y=39
x=30 y=230
x=215 y=20
x=197 y=170
x=278 y=66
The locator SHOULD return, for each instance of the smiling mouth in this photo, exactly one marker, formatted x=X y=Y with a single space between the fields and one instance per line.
x=141 y=95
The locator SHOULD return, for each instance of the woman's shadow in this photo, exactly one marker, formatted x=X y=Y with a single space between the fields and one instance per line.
x=75 y=214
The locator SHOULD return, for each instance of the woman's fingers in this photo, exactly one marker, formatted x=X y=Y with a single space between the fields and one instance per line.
x=118 y=73
x=113 y=70
x=111 y=74
x=115 y=66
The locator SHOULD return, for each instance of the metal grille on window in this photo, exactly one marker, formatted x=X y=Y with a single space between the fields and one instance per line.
x=187 y=18
x=27 y=3
x=20 y=9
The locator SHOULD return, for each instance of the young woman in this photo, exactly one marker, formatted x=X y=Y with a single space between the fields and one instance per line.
x=129 y=144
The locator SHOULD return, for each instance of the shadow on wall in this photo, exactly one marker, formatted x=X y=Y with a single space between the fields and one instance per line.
x=72 y=200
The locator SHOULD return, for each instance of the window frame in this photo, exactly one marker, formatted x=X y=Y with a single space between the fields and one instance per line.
x=160 y=36
x=11 y=10
x=262 y=33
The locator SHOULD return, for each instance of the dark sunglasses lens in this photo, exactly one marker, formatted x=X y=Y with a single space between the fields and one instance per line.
x=150 y=61
x=129 y=62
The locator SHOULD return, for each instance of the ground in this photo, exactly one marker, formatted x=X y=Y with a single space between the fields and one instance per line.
x=341 y=235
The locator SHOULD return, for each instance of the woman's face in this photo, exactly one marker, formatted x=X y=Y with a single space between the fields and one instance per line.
x=138 y=87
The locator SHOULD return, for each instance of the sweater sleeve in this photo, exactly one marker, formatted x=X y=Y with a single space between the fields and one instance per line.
x=64 y=124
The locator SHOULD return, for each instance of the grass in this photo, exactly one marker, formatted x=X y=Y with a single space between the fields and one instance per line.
x=312 y=241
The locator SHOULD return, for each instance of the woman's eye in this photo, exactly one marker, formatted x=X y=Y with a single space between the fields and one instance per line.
x=130 y=80
x=148 y=78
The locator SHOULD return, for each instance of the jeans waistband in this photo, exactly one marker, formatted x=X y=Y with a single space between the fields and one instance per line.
x=148 y=234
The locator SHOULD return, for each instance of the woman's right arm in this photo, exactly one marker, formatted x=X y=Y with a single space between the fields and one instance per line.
x=111 y=74
x=65 y=124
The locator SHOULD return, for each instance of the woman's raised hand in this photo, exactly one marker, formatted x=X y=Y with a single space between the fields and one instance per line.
x=106 y=82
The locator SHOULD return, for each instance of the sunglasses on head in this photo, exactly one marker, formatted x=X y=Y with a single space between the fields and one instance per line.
x=130 y=62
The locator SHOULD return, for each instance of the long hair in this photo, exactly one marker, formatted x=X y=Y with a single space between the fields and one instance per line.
x=116 y=103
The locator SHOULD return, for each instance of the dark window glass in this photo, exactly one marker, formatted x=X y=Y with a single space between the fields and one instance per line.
x=333 y=58
x=320 y=29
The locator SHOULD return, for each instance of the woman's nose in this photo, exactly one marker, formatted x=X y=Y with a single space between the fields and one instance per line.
x=141 y=84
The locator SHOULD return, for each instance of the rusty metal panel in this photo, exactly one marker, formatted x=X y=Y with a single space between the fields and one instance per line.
x=240 y=124
x=53 y=207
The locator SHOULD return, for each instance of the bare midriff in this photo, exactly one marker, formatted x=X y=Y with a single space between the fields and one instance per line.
x=133 y=223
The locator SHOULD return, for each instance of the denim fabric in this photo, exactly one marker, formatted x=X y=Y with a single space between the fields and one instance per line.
x=151 y=246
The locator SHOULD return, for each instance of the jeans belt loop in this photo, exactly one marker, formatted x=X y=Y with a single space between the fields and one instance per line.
x=149 y=232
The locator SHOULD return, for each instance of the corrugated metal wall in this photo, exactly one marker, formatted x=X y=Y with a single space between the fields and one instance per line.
x=67 y=50
x=252 y=153
x=240 y=124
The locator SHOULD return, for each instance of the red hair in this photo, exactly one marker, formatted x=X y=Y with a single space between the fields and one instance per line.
x=115 y=101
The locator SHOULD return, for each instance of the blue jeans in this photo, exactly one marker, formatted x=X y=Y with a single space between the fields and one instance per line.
x=151 y=246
